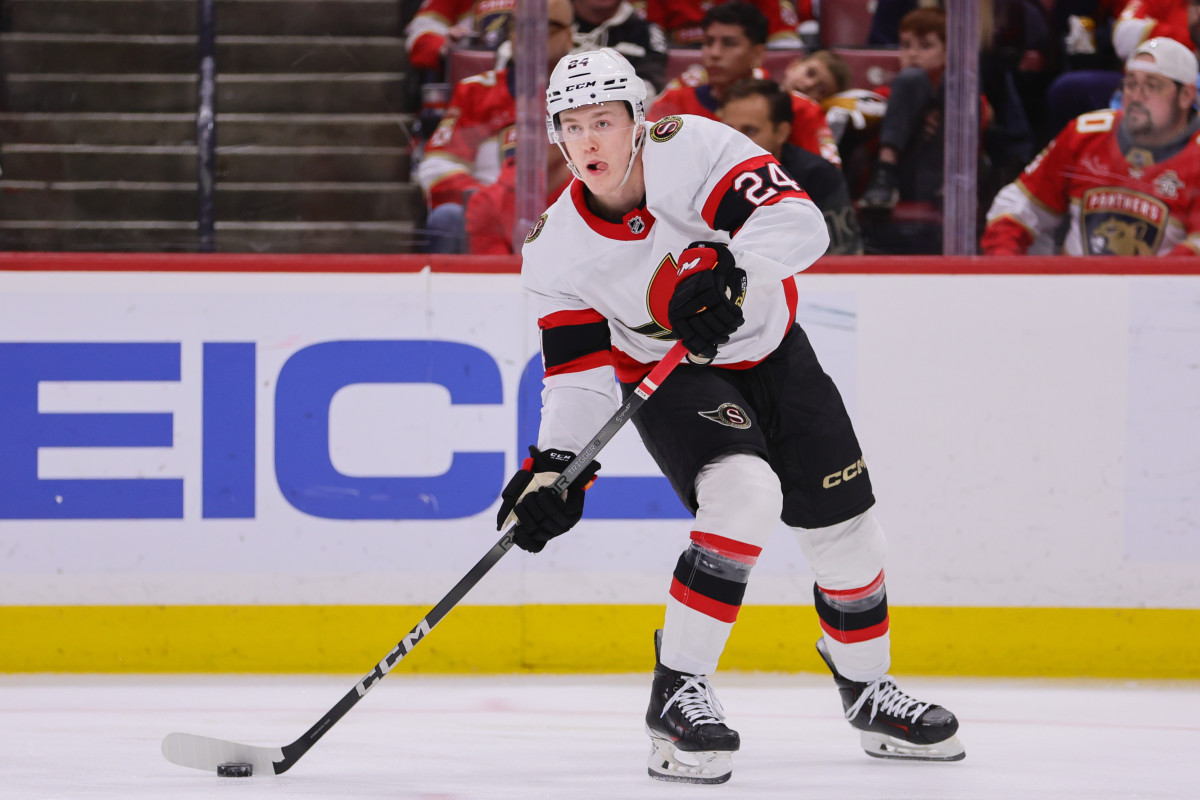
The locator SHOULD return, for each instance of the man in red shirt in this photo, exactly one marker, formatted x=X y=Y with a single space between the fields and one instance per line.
x=735 y=38
x=1127 y=181
x=492 y=211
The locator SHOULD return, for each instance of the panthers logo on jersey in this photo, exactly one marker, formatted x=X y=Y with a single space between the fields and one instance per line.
x=1122 y=222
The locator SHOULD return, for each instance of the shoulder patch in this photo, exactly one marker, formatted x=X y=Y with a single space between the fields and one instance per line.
x=666 y=128
x=536 y=229
x=1095 y=121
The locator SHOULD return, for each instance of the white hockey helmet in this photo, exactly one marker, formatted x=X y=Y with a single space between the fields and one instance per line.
x=590 y=78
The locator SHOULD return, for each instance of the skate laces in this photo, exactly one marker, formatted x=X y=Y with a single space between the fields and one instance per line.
x=889 y=699
x=697 y=702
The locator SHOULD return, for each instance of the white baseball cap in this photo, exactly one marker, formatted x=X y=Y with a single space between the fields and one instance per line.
x=1167 y=57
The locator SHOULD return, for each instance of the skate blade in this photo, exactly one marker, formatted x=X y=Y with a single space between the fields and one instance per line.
x=880 y=745
x=669 y=763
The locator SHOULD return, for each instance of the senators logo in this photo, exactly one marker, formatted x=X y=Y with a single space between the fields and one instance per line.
x=1122 y=222
x=666 y=128
x=729 y=415
x=658 y=297
x=536 y=229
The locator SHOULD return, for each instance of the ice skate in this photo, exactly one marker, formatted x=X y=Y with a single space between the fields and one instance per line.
x=689 y=741
x=894 y=725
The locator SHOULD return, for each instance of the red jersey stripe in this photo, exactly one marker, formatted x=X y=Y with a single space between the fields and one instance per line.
x=584 y=316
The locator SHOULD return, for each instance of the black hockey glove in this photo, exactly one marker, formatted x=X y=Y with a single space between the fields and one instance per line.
x=540 y=512
x=706 y=307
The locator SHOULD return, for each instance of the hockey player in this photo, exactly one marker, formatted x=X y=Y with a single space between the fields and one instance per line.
x=1126 y=179
x=685 y=229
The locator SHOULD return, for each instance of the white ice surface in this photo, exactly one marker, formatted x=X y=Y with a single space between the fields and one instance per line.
x=578 y=738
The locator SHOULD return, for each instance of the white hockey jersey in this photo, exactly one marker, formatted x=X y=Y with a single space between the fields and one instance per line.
x=602 y=288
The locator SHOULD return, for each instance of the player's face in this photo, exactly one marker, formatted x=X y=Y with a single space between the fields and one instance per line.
x=811 y=77
x=599 y=141
x=926 y=51
x=751 y=116
x=727 y=55
x=1155 y=107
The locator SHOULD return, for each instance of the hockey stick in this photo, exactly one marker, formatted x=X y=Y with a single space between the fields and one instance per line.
x=203 y=752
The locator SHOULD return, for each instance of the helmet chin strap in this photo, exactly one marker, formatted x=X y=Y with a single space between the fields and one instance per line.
x=638 y=138
x=570 y=164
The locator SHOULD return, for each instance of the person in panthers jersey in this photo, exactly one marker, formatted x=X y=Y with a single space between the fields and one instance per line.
x=1128 y=181
x=684 y=229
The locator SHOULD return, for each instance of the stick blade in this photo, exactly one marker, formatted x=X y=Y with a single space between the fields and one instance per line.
x=203 y=752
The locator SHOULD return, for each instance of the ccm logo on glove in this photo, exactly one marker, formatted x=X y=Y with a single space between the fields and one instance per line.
x=539 y=512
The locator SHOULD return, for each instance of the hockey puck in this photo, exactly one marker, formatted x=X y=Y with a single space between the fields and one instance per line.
x=235 y=770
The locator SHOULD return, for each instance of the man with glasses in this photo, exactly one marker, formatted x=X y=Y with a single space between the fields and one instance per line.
x=1128 y=180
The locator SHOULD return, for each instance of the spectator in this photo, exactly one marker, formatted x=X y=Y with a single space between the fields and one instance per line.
x=1139 y=20
x=615 y=24
x=1095 y=83
x=476 y=136
x=825 y=78
x=442 y=24
x=735 y=35
x=1015 y=66
x=761 y=110
x=491 y=211
x=1091 y=69
x=683 y=20
x=909 y=165
x=853 y=115
x=818 y=76
x=885 y=22
x=1128 y=180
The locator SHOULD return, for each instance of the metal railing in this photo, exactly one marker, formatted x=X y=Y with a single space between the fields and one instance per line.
x=206 y=127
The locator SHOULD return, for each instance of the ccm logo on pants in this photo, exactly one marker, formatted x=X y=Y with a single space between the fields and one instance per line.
x=849 y=473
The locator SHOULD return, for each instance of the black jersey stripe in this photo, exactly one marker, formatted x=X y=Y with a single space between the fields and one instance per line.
x=563 y=344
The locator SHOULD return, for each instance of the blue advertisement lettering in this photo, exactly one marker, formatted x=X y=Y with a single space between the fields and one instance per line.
x=303 y=468
x=23 y=430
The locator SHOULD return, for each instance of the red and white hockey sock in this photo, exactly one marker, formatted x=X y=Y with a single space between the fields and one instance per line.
x=739 y=505
x=855 y=622
x=706 y=595
x=847 y=560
